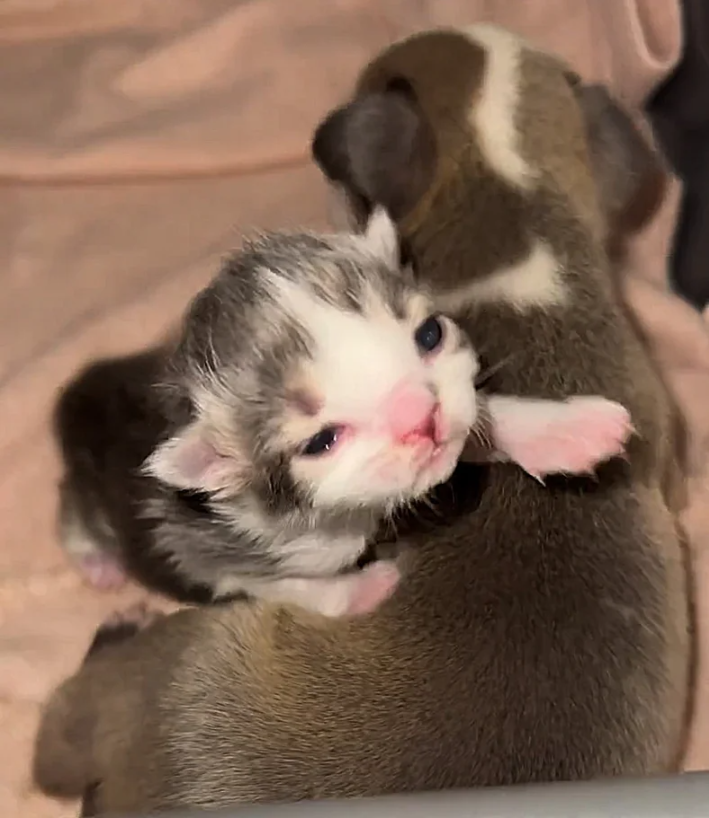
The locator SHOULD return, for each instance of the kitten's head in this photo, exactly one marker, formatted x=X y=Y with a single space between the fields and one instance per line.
x=320 y=378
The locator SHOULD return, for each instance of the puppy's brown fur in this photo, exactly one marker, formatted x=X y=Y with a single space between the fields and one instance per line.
x=542 y=636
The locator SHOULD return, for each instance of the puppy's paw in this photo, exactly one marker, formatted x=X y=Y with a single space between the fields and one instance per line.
x=102 y=571
x=571 y=437
x=122 y=625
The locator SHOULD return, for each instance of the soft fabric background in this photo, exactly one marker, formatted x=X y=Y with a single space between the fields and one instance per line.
x=137 y=138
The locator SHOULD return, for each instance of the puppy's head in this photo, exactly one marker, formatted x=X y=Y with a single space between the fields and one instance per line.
x=320 y=377
x=450 y=104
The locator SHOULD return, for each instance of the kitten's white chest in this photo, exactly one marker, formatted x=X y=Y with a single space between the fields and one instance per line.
x=319 y=554
x=312 y=556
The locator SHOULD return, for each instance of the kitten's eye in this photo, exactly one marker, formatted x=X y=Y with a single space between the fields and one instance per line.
x=429 y=334
x=322 y=442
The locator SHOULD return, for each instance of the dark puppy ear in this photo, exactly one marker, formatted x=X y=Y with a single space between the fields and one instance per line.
x=629 y=172
x=379 y=148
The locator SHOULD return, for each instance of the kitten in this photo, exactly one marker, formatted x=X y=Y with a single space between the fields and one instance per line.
x=313 y=391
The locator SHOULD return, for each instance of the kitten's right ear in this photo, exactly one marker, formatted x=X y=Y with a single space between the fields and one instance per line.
x=191 y=461
x=380 y=237
x=380 y=148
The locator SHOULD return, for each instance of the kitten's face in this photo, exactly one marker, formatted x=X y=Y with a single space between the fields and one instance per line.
x=382 y=408
x=321 y=375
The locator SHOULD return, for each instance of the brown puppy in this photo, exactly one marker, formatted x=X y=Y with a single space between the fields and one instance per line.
x=541 y=635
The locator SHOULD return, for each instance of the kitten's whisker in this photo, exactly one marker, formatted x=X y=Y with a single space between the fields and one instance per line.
x=485 y=374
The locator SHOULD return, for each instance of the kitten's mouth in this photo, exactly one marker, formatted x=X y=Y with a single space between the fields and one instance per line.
x=427 y=456
x=440 y=451
x=430 y=433
x=436 y=462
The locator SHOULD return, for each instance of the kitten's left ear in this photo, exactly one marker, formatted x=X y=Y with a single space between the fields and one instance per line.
x=381 y=237
x=190 y=460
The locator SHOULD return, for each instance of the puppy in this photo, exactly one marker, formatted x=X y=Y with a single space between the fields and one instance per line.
x=312 y=393
x=542 y=632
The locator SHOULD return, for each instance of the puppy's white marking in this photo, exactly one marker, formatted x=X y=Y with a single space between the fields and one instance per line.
x=536 y=282
x=494 y=113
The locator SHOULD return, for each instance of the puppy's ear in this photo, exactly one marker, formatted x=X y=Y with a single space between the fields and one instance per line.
x=190 y=460
x=379 y=148
x=629 y=172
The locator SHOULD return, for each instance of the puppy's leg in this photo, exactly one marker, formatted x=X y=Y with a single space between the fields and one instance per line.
x=547 y=437
x=64 y=756
x=351 y=594
x=93 y=559
x=89 y=809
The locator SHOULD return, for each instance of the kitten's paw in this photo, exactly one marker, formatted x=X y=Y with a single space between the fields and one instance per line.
x=374 y=584
x=356 y=593
x=121 y=625
x=102 y=571
x=571 y=437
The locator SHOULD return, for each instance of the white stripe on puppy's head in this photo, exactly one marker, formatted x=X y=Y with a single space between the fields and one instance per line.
x=493 y=112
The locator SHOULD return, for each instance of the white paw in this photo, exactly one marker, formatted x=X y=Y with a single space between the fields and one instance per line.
x=359 y=593
x=572 y=437
x=102 y=571
x=376 y=583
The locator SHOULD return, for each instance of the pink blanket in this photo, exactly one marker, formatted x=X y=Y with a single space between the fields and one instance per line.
x=134 y=136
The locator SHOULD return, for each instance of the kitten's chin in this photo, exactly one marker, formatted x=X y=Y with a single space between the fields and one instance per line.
x=438 y=468
x=396 y=483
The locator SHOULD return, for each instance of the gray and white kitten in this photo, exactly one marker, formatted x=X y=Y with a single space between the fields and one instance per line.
x=313 y=390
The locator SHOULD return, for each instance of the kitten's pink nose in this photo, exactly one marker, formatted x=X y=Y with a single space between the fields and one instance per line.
x=410 y=412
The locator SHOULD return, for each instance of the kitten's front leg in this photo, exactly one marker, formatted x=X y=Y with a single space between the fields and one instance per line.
x=546 y=437
x=352 y=594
